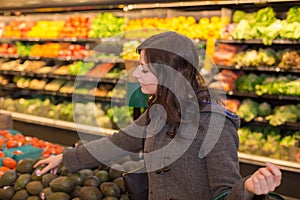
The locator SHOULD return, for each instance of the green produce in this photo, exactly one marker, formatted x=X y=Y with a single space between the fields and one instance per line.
x=248 y=110
x=124 y=197
x=121 y=183
x=22 y=181
x=265 y=16
x=58 y=195
x=7 y=193
x=78 y=178
x=20 y=195
x=116 y=171
x=62 y=184
x=34 y=187
x=282 y=114
x=90 y=193
x=106 y=25
x=45 y=193
x=33 y=198
x=92 y=181
x=8 y=178
x=264 y=109
x=47 y=178
x=76 y=192
x=293 y=14
x=25 y=166
x=110 y=189
x=103 y=176
x=290 y=30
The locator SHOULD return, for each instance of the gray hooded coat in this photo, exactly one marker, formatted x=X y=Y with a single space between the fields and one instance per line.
x=197 y=165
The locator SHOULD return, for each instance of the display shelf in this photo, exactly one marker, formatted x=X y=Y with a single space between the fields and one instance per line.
x=73 y=40
x=263 y=122
x=60 y=76
x=258 y=41
x=59 y=124
x=261 y=69
x=265 y=96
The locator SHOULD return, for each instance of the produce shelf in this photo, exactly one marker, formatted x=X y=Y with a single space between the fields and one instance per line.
x=258 y=41
x=265 y=96
x=263 y=122
x=74 y=40
x=59 y=76
x=59 y=124
x=260 y=69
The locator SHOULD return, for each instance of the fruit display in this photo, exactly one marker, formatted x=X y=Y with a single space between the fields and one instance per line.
x=8 y=49
x=46 y=29
x=17 y=29
x=80 y=67
x=106 y=25
x=15 y=146
x=100 y=70
x=103 y=182
x=74 y=51
x=269 y=84
x=264 y=25
x=267 y=141
x=129 y=50
x=54 y=85
x=3 y=80
x=49 y=50
x=68 y=87
x=75 y=27
x=203 y=29
x=89 y=113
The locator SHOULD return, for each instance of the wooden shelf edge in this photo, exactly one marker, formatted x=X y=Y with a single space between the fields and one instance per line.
x=261 y=160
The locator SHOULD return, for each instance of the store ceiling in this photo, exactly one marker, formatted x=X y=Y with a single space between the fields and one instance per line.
x=64 y=5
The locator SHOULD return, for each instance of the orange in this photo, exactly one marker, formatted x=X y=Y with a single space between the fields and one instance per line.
x=9 y=162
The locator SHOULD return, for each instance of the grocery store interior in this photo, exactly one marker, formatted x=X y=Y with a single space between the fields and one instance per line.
x=65 y=72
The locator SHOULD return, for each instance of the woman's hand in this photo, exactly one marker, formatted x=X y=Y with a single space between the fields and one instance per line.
x=52 y=163
x=264 y=180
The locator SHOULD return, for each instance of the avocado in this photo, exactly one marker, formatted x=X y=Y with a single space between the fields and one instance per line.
x=130 y=165
x=86 y=172
x=76 y=192
x=20 y=195
x=22 y=181
x=90 y=193
x=58 y=195
x=110 y=189
x=34 y=187
x=47 y=178
x=93 y=181
x=78 y=178
x=103 y=176
x=34 y=175
x=115 y=171
x=62 y=171
x=110 y=198
x=8 y=178
x=62 y=184
x=33 y=198
x=124 y=197
x=7 y=193
x=45 y=193
x=123 y=159
x=25 y=166
x=121 y=183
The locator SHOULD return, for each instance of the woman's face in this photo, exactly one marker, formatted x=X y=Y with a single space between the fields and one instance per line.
x=148 y=81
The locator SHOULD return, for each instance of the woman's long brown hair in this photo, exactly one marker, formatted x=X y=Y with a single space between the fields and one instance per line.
x=159 y=60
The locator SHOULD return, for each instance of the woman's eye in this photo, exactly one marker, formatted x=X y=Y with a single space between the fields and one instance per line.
x=145 y=71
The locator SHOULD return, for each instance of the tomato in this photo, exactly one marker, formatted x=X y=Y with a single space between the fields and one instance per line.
x=17 y=152
x=2 y=154
x=3 y=169
x=9 y=162
x=12 y=144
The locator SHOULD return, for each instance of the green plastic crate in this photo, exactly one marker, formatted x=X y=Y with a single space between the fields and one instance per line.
x=29 y=151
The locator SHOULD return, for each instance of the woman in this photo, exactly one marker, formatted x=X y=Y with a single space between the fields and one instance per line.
x=191 y=143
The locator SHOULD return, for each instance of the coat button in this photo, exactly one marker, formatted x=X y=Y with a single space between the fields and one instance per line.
x=162 y=170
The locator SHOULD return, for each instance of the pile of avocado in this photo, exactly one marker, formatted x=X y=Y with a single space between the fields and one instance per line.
x=88 y=184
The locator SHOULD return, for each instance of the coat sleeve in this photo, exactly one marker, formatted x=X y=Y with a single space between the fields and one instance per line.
x=222 y=163
x=106 y=149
